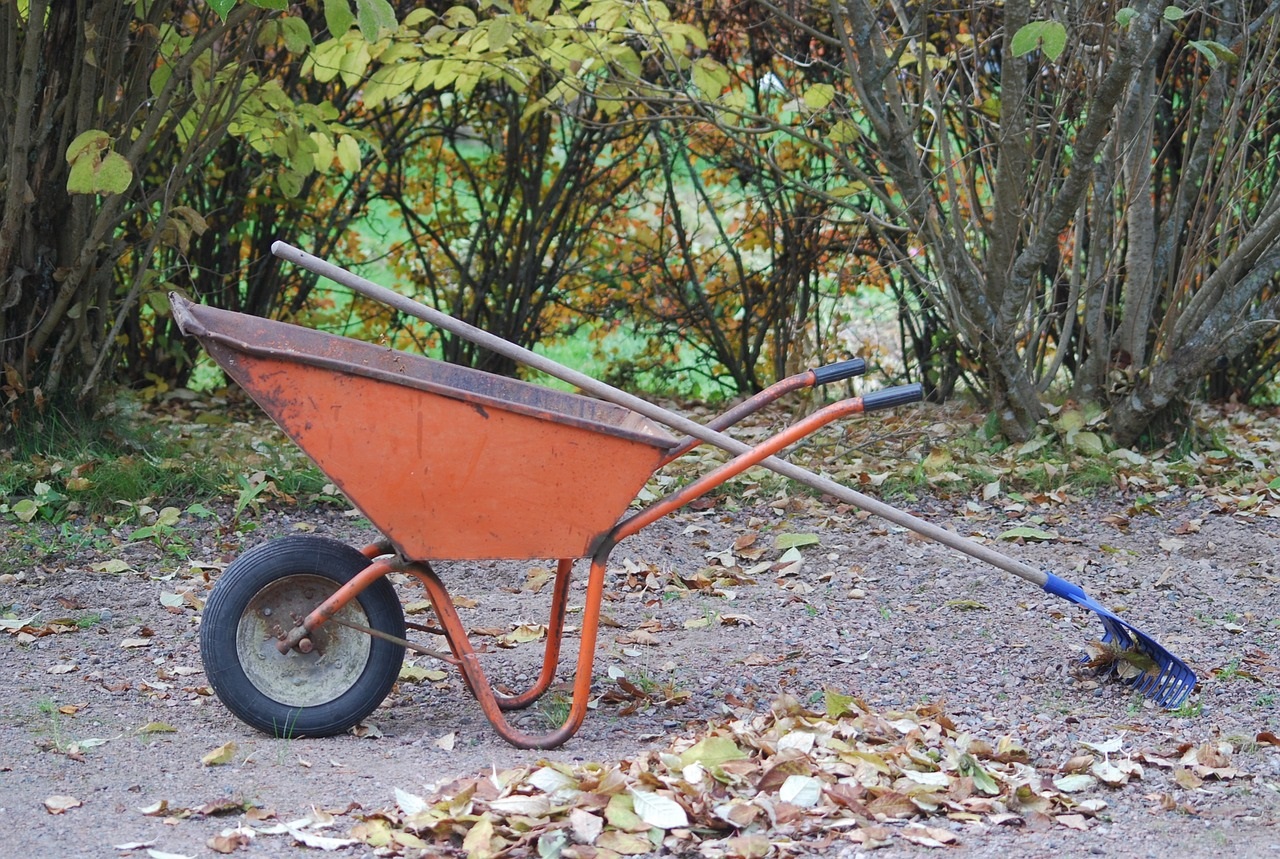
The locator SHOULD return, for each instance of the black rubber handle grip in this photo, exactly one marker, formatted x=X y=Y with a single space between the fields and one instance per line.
x=839 y=370
x=898 y=396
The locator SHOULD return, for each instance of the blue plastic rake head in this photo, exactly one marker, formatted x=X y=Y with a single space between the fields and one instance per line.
x=1168 y=686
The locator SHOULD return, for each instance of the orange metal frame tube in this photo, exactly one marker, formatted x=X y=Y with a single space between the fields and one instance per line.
x=749 y=406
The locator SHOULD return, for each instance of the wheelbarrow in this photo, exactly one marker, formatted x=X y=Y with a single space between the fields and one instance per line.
x=305 y=636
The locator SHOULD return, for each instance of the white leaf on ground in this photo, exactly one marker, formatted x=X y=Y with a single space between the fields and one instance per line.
x=801 y=790
x=931 y=779
x=801 y=741
x=410 y=803
x=320 y=842
x=550 y=780
x=59 y=803
x=657 y=810
x=1105 y=748
x=1074 y=783
x=585 y=825
x=529 y=806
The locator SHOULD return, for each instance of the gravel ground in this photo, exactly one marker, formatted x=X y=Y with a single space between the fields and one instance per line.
x=112 y=716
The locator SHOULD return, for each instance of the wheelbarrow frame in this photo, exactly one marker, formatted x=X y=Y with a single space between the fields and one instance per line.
x=292 y=372
x=1169 y=683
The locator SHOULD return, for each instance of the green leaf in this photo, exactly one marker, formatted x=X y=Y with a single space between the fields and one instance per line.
x=793 y=541
x=338 y=17
x=222 y=7
x=25 y=510
x=1089 y=442
x=982 y=779
x=296 y=33
x=1035 y=535
x=819 y=96
x=838 y=704
x=1049 y=36
x=95 y=169
x=157 y=728
x=1126 y=15
x=710 y=77
x=375 y=18
x=146 y=532
x=324 y=60
x=1173 y=13
x=348 y=153
x=712 y=753
x=289 y=183
x=844 y=131
x=1215 y=52
x=500 y=32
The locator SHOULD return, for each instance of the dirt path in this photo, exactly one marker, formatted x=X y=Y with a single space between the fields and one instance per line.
x=112 y=715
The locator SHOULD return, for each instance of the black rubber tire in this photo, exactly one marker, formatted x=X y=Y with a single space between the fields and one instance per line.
x=294 y=694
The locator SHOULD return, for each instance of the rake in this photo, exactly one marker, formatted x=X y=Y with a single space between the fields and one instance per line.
x=1167 y=680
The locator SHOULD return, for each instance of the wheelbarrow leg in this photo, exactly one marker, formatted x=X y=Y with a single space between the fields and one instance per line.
x=555 y=634
x=474 y=676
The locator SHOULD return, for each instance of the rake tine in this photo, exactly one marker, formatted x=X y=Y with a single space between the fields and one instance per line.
x=1168 y=687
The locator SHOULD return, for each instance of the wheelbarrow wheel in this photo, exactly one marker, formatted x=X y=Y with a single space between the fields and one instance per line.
x=261 y=596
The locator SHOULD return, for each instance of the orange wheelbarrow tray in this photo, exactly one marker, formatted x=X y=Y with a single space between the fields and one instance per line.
x=304 y=636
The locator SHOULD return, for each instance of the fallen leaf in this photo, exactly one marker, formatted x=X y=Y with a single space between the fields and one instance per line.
x=801 y=790
x=223 y=754
x=625 y=843
x=793 y=541
x=320 y=842
x=1075 y=783
x=418 y=674
x=365 y=731
x=929 y=836
x=1034 y=535
x=658 y=810
x=230 y=840
x=59 y=803
x=157 y=728
x=586 y=827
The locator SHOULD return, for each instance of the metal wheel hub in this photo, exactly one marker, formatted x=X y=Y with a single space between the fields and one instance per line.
x=337 y=658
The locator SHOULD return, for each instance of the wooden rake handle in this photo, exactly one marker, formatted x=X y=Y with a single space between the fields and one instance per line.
x=669 y=418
